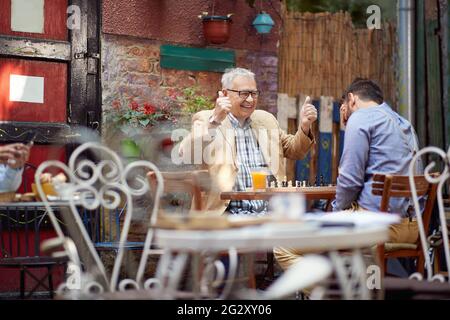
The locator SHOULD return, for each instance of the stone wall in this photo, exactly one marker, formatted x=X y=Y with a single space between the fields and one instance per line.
x=130 y=67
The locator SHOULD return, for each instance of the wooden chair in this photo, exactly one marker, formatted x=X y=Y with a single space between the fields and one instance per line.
x=391 y=186
x=191 y=182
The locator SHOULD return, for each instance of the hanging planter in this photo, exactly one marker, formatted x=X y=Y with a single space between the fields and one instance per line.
x=216 y=29
x=263 y=23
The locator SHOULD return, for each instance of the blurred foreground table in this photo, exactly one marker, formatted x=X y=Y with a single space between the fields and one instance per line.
x=307 y=236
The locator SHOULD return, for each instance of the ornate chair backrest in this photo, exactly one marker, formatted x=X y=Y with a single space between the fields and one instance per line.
x=105 y=183
x=440 y=181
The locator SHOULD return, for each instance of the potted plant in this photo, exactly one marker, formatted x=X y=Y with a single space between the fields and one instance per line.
x=131 y=124
x=216 y=29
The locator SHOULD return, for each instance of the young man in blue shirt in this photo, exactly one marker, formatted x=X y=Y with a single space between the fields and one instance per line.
x=377 y=140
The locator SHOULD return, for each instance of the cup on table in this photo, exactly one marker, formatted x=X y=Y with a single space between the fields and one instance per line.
x=259 y=178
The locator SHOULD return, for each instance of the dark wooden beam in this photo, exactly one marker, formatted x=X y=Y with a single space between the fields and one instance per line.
x=435 y=112
x=421 y=76
x=47 y=133
x=85 y=92
x=445 y=48
x=35 y=48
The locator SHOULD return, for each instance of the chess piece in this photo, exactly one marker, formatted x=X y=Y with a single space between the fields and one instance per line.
x=275 y=183
x=298 y=183
x=322 y=183
x=284 y=183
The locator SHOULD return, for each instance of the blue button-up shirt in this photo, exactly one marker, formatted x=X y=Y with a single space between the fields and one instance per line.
x=377 y=140
x=10 y=179
x=249 y=156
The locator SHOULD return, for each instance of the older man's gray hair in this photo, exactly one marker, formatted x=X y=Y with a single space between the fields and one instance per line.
x=231 y=74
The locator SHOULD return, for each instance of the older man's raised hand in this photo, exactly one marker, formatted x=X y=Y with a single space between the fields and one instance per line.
x=222 y=108
x=308 y=114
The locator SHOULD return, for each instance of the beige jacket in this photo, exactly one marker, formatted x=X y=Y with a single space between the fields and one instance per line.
x=215 y=150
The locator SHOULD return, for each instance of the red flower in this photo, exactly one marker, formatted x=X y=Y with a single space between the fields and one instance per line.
x=149 y=109
x=134 y=105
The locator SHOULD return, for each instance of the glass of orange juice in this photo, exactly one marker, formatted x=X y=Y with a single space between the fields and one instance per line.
x=259 y=178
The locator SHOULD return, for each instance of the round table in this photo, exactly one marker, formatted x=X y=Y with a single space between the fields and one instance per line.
x=267 y=236
x=305 y=236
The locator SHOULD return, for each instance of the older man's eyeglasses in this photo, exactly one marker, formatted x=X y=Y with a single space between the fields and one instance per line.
x=244 y=94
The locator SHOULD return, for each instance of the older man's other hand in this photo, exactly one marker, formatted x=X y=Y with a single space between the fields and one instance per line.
x=14 y=155
x=308 y=114
x=343 y=111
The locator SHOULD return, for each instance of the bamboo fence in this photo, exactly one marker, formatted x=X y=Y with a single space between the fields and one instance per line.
x=321 y=54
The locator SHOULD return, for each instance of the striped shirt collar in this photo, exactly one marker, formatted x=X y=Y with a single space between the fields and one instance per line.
x=235 y=122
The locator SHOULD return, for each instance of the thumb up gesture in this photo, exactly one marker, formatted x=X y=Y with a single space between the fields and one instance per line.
x=222 y=107
x=308 y=114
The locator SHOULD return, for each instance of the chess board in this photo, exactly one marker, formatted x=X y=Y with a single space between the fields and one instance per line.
x=310 y=193
x=326 y=189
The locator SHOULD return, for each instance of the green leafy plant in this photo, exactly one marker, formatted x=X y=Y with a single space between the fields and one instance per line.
x=192 y=101
x=129 y=113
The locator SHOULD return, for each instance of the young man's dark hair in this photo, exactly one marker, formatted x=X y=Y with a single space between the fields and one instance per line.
x=365 y=89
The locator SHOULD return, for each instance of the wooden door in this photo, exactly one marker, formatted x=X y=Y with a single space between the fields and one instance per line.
x=48 y=83
x=48 y=73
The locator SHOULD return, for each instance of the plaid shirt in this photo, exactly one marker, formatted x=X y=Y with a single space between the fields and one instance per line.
x=248 y=156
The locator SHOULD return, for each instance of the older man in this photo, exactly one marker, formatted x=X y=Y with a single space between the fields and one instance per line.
x=12 y=160
x=235 y=137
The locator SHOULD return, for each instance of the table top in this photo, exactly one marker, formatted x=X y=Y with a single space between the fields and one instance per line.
x=310 y=193
x=266 y=236
x=37 y=205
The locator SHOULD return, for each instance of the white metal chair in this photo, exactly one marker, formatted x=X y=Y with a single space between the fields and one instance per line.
x=440 y=181
x=105 y=183
x=432 y=285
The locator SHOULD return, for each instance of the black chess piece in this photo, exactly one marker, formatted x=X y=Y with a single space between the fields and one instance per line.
x=298 y=183
x=322 y=183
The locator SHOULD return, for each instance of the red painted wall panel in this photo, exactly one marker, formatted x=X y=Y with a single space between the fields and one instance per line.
x=10 y=277
x=55 y=18
x=176 y=21
x=54 y=108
